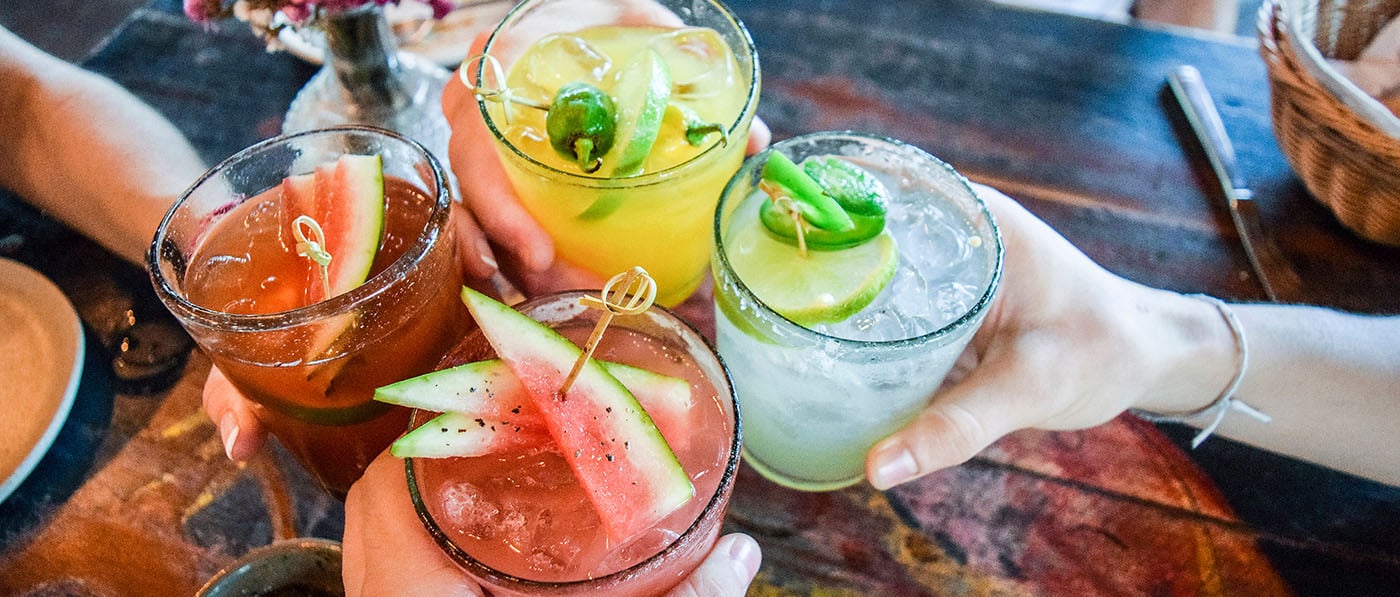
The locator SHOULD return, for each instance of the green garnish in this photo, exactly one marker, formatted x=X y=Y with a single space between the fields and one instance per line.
x=582 y=124
x=697 y=128
x=860 y=195
x=807 y=198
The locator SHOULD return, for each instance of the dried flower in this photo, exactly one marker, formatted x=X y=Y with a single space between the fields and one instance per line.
x=296 y=11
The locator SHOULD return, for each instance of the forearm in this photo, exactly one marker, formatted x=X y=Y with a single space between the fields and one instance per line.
x=86 y=151
x=1330 y=381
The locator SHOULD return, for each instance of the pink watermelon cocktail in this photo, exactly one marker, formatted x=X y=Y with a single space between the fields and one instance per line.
x=520 y=520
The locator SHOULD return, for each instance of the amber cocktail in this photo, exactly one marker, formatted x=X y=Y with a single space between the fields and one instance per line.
x=230 y=261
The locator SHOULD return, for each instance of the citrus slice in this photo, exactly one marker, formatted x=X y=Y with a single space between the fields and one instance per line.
x=642 y=90
x=820 y=287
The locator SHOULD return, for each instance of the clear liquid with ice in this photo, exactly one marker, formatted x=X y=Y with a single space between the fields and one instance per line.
x=813 y=404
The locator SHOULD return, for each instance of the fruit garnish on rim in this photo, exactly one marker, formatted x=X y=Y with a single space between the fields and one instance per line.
x=545 y=393
x=336 y=216
x=485 y=409
x=816 y=251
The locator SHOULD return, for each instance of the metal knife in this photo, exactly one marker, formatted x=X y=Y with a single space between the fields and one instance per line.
x=1272 y=269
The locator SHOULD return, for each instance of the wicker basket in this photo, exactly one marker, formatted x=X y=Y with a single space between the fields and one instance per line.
x=1343 y=143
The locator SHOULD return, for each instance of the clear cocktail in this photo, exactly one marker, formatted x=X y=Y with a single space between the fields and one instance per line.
x=226 y=261
x=834 y=348
x=519 y=519
x=645 y=195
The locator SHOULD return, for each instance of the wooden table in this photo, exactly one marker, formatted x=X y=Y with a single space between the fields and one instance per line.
x=1066 y=114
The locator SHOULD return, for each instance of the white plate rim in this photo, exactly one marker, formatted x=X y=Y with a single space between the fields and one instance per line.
x=26 y=282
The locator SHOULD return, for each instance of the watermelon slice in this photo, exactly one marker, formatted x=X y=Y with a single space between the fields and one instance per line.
x=456 y=434
x=614 y=449
x=488 y=391
x=346 y=200
x=298 y=198
x=350 y=210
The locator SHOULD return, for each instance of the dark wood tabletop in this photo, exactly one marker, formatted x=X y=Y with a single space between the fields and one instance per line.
x=1067 y=114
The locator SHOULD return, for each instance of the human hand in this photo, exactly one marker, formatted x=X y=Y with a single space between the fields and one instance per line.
x=524 y=251
x=239 y=429
x=1065 y=345
x=387 y=552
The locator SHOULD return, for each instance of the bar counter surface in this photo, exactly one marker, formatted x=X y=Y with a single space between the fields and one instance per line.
x=1067 y=114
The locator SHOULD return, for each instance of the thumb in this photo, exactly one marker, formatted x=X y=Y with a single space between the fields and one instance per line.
x=239 y=429
x=386 y=551
x=728 y=569
x=957 y=425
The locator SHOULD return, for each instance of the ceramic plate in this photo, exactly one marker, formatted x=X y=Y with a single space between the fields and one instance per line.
x=445 y=42
x=41 y=357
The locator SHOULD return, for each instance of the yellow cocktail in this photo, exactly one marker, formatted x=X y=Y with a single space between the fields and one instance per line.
x=696 y=74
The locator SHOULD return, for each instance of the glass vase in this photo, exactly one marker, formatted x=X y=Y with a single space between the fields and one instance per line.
x=364 y=79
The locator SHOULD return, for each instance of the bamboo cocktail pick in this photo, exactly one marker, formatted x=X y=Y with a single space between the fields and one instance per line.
x=629 y=293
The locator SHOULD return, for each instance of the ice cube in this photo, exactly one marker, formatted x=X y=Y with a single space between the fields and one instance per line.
x=470 y=510
x=541 y=560
x=559 y=59
x=698 y=59
x=549 y=539
x=632 y=552
x=515 y=524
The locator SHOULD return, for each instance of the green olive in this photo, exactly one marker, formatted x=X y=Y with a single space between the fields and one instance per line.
x=581 y=123
x=861 y=196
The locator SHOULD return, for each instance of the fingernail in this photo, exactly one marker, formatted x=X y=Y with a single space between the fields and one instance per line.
x=537 y=258
x=744 y=556
x=228 y=430
x=894 y=469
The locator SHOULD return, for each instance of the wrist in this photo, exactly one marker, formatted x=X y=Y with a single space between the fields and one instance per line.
x=1196 y=355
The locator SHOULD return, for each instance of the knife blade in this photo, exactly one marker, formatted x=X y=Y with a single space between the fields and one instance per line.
x=1275 y=274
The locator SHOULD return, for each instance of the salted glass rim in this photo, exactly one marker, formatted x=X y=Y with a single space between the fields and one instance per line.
x=521 y=10
x=726 y=483
x=378 y=284
x=972 y=312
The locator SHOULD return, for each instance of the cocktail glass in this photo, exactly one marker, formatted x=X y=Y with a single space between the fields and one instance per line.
x=520 y=524
x=312 y=370
x=816 y=400
x=658 y=219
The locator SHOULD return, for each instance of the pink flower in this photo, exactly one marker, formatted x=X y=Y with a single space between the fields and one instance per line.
x=296 y=10
x=440 y=7
x=201 y=11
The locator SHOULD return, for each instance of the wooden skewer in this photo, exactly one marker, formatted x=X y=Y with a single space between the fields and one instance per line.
x=629 y=293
